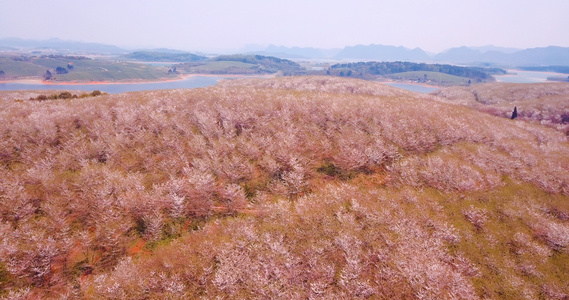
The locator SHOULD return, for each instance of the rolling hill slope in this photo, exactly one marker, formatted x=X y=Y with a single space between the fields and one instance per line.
x=543 y=103
x=78 y=69
x=296 y=187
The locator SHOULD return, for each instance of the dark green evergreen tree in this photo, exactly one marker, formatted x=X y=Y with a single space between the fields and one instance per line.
x=60 y=70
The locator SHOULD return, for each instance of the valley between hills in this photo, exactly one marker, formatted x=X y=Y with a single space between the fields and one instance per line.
x=66 y=62
x=159 y=67
x=293 y=187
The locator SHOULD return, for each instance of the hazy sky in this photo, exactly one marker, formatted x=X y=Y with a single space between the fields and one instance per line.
x=209 y=25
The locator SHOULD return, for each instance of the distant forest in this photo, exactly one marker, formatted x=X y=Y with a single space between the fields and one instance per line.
x=367 y=69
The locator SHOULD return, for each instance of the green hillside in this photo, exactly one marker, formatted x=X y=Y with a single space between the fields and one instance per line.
x=244 y=64
x=14 y=68
x=79 y=68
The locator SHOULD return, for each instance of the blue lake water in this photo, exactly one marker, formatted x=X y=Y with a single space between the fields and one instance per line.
x=413 y=87
x=115 y=88
x=188 y=83
x=203 y=81
x=518 y=76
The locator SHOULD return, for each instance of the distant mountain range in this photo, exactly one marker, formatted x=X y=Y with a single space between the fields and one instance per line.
x=495 y=48
x=61 y=46
x=382 y=53
x=298 y=52
x=486 y=55
x=358 y=52
x=552 y=55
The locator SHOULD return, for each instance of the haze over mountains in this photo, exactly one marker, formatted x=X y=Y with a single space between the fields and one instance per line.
x=535 y=56
x=551 y=55
x=58 y=44
x=485 y=55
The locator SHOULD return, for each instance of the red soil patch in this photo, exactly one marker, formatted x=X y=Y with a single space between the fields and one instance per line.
x=137 y=248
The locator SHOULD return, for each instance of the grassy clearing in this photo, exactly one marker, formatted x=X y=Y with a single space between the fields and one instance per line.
x=435 y=78
x=114 y=71
x=13 y=68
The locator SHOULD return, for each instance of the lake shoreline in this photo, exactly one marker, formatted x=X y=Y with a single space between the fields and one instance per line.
x=184 y=82
x=39 y=81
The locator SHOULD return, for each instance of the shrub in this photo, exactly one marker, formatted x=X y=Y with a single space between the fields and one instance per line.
x=65 y=95
x=476 y=216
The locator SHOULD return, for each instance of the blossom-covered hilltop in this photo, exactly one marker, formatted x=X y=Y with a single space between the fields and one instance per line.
x=283 y=188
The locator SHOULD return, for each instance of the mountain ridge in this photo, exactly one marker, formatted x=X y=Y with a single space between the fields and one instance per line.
x=475 y=55
x=551 y=55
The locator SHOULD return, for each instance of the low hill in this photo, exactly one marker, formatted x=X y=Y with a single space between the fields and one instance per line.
x=77 y=68
x=154 y=56
x=244 y=64
x=284 y=188
x=410 y=70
